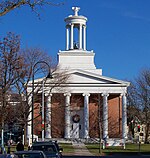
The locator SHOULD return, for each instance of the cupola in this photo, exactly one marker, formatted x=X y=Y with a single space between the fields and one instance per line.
x=75 y=25
x=76 y=56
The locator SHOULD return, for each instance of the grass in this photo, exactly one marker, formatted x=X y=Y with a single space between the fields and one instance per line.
x=130 y=148
x=13 y=148
x=67 y=147
x=94 y=148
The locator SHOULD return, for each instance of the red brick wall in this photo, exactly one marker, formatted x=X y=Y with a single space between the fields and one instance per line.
x=114 y=115
x=37 y=120
x=58 y=115
x=93 y=116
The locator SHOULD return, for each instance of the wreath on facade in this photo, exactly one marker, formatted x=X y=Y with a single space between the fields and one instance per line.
x=76 y=118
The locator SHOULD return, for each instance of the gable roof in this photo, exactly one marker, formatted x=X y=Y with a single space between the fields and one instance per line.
x=85 y=77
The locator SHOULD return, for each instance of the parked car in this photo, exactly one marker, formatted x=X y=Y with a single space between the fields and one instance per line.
x=50 y=148
x=60 y=149
x=7 y=156
x=29 y=154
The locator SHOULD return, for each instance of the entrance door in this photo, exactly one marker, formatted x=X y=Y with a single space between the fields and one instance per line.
x=77 y=123
x=75 y=130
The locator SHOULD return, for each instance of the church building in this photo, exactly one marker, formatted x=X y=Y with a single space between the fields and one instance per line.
x=88 y=100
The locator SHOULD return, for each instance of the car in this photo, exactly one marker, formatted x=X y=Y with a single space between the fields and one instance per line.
x=60 y=149
x=50 y=148
x=29 y=154
x=7 y=156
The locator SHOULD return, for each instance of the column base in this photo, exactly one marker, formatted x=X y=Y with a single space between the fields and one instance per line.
x=49 y=137
x=67 y=137
x=86 y=137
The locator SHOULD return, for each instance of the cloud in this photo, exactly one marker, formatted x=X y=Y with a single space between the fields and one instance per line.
x=122 y=10
x=135 y=16
x=109 y=5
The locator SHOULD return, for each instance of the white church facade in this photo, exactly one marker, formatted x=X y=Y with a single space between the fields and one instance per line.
x=88 y=96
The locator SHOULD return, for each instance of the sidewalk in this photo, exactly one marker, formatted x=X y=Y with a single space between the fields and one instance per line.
x=80 y=149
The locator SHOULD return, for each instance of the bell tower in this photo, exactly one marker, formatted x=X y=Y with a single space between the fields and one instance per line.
x=75 y=22
x=76 y=56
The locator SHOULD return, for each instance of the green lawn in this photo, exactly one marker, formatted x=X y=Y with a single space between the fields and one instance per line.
x=134 y=148
x=67 y=147
x=94 y=148
x=13 y=148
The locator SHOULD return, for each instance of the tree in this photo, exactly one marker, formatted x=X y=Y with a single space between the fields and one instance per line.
x=32 y=56
x=10 y=67
x=16 y=69
x=7 y=6
x=10 y=70
x=139 y=99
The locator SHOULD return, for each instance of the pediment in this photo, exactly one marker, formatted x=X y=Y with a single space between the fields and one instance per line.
x=88 y=77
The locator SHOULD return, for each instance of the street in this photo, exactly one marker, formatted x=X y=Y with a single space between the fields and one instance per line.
x=111 y=156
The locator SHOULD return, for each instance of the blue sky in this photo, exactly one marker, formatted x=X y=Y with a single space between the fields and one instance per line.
x=117 y=30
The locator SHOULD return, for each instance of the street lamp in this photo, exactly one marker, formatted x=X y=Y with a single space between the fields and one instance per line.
x=43 y=110
x=48 y=76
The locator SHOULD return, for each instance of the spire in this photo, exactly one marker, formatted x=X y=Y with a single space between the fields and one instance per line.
x=76 y=10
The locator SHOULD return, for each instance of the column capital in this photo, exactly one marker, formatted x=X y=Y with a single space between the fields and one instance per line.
x=105 y=94
x=67 y=26
x=86 y=94
x=123 y=94
x=67 y=94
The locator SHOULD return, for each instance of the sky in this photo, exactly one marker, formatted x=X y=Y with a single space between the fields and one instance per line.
x=118 y=31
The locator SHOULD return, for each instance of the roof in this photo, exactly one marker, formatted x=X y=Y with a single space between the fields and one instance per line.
x=42 y=143
x=82 y=76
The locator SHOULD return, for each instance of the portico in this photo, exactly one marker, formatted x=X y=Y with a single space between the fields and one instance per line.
x=77 y=119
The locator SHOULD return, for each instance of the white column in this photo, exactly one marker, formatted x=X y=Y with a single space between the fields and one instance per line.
x=29 y=119
x=48 y=127
x=84 y=37
x=67 y=38
x=86 y=115
x=67 y=115
x=105 y=115
x=124 y=116
x=71 y=38
x=80 y=36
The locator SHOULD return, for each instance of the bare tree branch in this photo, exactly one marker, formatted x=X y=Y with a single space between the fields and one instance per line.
x=7 y=6
x=139 y=99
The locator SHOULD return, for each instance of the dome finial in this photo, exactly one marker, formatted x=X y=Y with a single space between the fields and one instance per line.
x=76 y=9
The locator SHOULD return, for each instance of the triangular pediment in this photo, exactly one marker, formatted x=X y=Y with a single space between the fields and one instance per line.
x=88 y=77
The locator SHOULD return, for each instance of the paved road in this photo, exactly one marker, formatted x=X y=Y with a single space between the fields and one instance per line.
x=112 y=156
x=80 y=149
